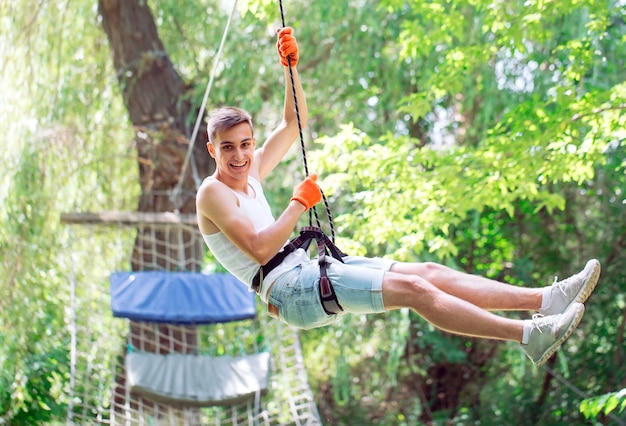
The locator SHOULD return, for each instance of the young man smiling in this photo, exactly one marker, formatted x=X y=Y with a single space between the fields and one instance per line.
x=239 y=229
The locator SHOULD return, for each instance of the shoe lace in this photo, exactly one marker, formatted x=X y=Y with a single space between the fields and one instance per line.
x=559 y=284
x=539 y=321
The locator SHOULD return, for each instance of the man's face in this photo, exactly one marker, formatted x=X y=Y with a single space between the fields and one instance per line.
x=233 y=150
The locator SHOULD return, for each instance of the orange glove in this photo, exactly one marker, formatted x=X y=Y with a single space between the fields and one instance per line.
x=287 y=47
x=308 y=193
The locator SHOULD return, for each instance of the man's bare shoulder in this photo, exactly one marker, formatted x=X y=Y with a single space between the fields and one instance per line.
x=212 y=190
x=214 y=202
x=208 y=185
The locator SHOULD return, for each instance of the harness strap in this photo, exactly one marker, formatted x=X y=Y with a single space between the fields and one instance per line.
x=313 y=232
x=325 y=247
x=330 y=303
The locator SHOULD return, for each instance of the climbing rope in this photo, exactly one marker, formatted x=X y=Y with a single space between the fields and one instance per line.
x=313 y=210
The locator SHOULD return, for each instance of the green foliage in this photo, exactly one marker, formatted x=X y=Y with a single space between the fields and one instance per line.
x=604 y=404
x=34 y=359
x=65 y=137
x=543 y=135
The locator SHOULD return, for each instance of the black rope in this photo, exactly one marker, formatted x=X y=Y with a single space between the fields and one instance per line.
x=312 y=211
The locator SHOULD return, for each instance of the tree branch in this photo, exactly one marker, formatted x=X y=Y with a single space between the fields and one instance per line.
x=596 y=111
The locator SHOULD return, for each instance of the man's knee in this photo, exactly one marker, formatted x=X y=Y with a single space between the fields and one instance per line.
x=428 y=270
x=401 y=290
x=432 y=272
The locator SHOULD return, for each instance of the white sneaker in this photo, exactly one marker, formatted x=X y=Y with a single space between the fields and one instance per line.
x=576 y=288
x=549 y=332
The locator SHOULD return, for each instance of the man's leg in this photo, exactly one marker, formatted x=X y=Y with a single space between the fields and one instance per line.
x=482 y=292
x=445 y=310
x=493 y=295
x=540 y=337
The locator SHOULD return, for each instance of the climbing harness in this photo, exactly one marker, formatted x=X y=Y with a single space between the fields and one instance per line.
x=325 y=245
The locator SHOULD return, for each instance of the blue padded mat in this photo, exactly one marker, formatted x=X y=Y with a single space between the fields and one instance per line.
x=180 y=297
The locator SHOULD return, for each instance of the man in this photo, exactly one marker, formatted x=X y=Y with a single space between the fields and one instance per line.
x=238 y=227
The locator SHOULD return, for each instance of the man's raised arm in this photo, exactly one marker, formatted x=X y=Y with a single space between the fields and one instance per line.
x=281 y=139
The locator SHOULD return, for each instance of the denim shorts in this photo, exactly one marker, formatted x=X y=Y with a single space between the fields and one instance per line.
x=358 y=284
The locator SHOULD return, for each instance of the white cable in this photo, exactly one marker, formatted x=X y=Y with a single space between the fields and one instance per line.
x=202 y=108
x=73 y=342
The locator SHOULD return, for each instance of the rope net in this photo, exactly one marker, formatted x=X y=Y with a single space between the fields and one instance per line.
x=99 y=393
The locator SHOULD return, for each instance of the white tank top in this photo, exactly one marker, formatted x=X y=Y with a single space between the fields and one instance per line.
x=237 y=262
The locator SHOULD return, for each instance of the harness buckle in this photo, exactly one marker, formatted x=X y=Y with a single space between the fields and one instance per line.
x=325 y=289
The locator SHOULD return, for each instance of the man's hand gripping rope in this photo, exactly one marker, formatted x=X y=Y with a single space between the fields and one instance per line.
x=308 y=192
x=287 y=47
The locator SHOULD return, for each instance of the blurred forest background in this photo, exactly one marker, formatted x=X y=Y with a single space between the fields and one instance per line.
x=487 y=135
